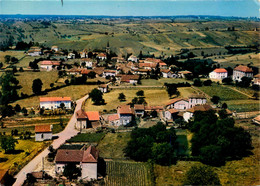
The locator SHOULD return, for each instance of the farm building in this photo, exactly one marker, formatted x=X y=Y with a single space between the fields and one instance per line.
x=87 y=160
x=178 y=103
x=74 y=71
x=171 y=114
x=242 y=71
x=35 y=51
x=218 y=73
x=132 y=79
x=190 y=112
x=125 y=113
x=89 y=119
x=197 y=99
x=49 y=65
x=43 y=132
x=55 y=102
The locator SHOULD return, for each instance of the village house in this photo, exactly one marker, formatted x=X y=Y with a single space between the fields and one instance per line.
x=55 y=102
x=242 y=71
x=113 y=120
x=190 y=112
x=84 y=54
x=125 y=114
x=87 y=119
x=71 y=55
x=99 y=71
x=103 y=88
x=133 y=58
x=171 y=114
x=102 y=56
x=74 y=71
x=132 y=79
x=55 y=48
x=184 y=74
x=218 y=73
x=35 y=51
x=148 y=66
x=197 y=99
x=86 y=160
x=153 y=60
x=178 y=104
x=85 y=71
x=163 y=65
x=150 y=109
x=142 y=71
x=43 y=132
x=88 y=62
x=49 y=65
x=256 y=79
x=167 y=73
x=109 y=73
x=139 y=110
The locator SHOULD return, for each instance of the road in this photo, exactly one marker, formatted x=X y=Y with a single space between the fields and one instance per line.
x=66 y=134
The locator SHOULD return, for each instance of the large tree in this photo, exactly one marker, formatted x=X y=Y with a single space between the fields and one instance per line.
x=97 y=96
x=121 y=96
x=37 y=86
x=201 y=175
x=8 y=143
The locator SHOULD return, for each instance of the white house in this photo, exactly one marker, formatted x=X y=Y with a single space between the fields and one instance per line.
x=55 y=102
x=102 y=56
x=197 y=99
x=190 y=112
x=178 y=104
x=71 y=56
x=133 y=58
x=242 y=71
x=84 y=54
x=218 y=73
x=170 y=114
x=43 y=132
x=48 y=65
x=34 y=51
x=167 y=73
x=132 y=79
x=109 y=73
x=125 y=114
x=87 y=160
x=103 y=88
x=88 y=62
x=55 y=48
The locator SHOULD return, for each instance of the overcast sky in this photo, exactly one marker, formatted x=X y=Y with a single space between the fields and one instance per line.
x=243 y=8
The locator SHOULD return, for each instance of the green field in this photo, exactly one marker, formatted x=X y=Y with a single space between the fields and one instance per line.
x=87 y=137
x=129 y=173
x=153 y=97
x=113 y=144
x=243 y=105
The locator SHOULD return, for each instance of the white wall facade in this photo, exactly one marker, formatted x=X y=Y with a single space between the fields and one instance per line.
x=81 y=124
x=218 y=75
x=133 y=81
x=89 y=171
x=197 y=101
x=41 y=136
x=187 y=116
x=179 y=105
x=237 y=75
x=55 y=104
x=167 y=115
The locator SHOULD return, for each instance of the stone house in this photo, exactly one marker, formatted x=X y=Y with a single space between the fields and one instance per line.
x=43 y=132
x=242 y=71
x=55 y=48
x=109 y=73
x=88 y=62
x=35 y=51
x=102 y=56
x=87 y=160
x=87 y=119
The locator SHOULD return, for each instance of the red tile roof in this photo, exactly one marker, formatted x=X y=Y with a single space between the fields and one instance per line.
x=102 y=55
x=47 y=99
x=243 y=68
x=85 y=71
x=86 y=59
x=93 y=115
x=151 y=65
x=138 y=107
x=109 y=71
x=127 y=78
x=99 y=70
x=162 y=64
x=176 y=100
x=113 y=117
x=46 y=62
x=125 y=109
x=88 y=156
x=153 y=60
x=203 y=108
x=42 y=128
x=185 y=72
x=220 y=70
x=81 y=114
x=173 y=111
x=3 y=172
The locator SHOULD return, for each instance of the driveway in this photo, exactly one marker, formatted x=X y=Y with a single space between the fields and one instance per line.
x=66 y=134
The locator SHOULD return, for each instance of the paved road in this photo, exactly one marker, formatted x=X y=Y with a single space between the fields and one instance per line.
x=66 y=134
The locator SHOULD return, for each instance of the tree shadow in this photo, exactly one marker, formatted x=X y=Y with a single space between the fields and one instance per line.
x=14 y=151
x=3 y=160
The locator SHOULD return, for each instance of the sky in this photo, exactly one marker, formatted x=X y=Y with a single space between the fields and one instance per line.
x=238 y=8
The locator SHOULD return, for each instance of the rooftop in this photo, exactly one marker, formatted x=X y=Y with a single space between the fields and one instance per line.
x=93 y=115
x=243 y=68
x=42 y=128
x=202 y=108
x=47 y=99
x=220 y=70
x=125 y=109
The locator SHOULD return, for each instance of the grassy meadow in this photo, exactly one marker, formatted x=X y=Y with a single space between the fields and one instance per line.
x=153 y=97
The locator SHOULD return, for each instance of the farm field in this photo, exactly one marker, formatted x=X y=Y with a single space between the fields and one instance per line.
x=185 y=92
x=223 y=92
x=161 y=81
x=123 y=173
x=243 y=105
x=152 y=96
x=87 y=137
x=73 y=91
x=18 y=54
x=25 y=150
x=113 y=144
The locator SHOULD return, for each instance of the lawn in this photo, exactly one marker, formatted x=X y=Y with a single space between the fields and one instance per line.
x=18 y=54
x=25 y=151
x=112 y=145
x=73 y=91
x=223 y=92
x=87 y=137
x=243 y=105
x=152 y=96
x=127 y=173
